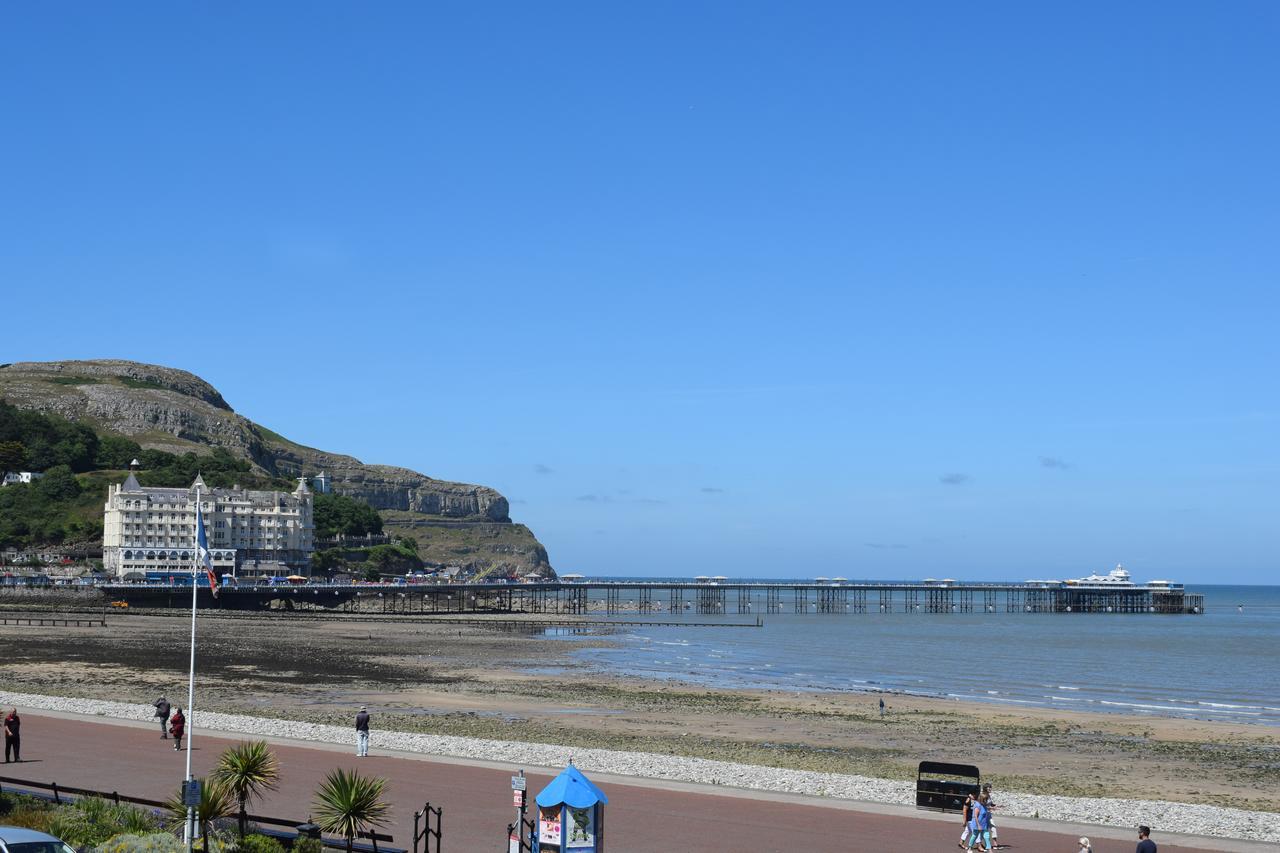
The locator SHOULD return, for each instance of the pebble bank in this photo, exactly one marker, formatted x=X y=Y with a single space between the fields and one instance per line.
x=1168 y=816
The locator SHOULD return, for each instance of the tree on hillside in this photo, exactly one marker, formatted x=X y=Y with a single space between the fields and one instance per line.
x=13 y=456
x=57 y=484
x=115 y=452
x=339 y=514
x=49 y=439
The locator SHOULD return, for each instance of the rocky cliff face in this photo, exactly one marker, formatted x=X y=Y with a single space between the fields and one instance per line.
x=173 y=410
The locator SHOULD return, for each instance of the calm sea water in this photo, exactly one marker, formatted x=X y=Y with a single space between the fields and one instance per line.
x=1223 y=664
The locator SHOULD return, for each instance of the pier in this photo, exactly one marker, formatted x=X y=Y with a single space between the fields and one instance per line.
x=673 y=598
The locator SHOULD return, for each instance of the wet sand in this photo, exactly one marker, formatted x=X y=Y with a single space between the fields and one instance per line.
x=484 y=682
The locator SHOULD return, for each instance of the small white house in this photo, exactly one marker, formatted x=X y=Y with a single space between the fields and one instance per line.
x=12 y=477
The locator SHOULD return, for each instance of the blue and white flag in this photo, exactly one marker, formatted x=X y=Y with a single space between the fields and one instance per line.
x=202 y=552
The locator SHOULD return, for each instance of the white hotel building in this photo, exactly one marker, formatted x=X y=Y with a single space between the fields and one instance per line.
x=149 y=529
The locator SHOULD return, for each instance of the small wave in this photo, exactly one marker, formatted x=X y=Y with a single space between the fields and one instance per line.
x=1066 y=687
x=1141 y=707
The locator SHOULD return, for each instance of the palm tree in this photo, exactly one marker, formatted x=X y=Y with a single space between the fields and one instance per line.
x=216 y=801
x=349 y=803
x=248 y=770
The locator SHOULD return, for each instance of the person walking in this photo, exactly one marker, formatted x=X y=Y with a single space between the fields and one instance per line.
x=162 y=713
x=362 y=733
x=1145 y=844
x=13 y=736
x=968 y=815
x=1085 y=845
x=177 y=727
x=980 y=826
x=990 y=803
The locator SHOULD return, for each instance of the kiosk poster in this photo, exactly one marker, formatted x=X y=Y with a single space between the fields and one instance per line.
x=581 y=828
x=548 y=824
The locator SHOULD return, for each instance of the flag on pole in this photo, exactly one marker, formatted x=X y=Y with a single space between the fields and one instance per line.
x=202 y=552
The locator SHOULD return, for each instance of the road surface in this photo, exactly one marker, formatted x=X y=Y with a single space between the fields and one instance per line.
x=643 y=816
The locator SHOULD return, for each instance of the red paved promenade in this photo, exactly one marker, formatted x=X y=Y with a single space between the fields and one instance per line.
x=642 y=817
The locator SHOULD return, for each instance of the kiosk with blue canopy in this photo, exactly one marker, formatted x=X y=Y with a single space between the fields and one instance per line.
x=570 y=815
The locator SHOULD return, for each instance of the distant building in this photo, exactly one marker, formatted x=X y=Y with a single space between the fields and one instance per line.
x=147 y=529
x=12 y=477
x=320 y=484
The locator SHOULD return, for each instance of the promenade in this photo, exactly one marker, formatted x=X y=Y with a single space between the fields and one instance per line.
x=642 y=817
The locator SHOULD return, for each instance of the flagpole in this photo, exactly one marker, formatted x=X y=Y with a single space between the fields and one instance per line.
x=189 y=829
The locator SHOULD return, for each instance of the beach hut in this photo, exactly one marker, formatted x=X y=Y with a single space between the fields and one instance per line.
x=570 y=815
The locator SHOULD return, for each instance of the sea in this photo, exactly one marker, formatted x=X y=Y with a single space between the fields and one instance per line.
x=1223 y=664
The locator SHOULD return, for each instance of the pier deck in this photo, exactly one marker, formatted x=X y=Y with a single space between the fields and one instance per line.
x=672 y=597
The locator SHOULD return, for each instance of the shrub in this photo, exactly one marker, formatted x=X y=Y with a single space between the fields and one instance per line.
x=307 y=844
x=156 y=842
x=92 y=821
x=31 y=816
x=255 y=843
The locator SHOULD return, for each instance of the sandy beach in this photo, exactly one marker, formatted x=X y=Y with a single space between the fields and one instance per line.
x=517 y=686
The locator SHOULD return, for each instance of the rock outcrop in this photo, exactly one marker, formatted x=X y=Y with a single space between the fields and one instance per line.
x=173 y=410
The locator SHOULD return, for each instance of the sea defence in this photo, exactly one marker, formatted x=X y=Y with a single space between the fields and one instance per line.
x=671 y=597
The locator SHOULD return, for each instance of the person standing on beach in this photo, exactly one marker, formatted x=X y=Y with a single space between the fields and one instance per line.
x=13 y=736
x=882 y=707
x=177 y=727
x=362 y=733
x=162 y=713
x=1145 y=844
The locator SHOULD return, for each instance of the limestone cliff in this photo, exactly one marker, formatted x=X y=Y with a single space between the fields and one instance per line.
x=173 y=410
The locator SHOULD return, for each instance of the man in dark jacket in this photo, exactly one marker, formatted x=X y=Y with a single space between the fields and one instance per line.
x=362 y=733
x=162 y=714
x=1145 y=844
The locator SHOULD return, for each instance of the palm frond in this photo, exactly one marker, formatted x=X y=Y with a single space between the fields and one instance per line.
x=248 y=769
x=347 y=803
x=216 y=801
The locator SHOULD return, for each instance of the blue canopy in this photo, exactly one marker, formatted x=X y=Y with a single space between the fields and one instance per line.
x=572 y=789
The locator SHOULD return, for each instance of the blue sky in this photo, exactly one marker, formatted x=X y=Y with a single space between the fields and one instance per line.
x=985 y=290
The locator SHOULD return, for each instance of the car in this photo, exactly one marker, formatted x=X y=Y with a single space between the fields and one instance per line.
x=15 y=839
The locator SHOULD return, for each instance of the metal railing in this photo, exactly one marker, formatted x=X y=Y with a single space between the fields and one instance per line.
x=423 y=833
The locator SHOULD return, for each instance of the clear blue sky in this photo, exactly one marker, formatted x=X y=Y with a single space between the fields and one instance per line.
x=986 y=290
